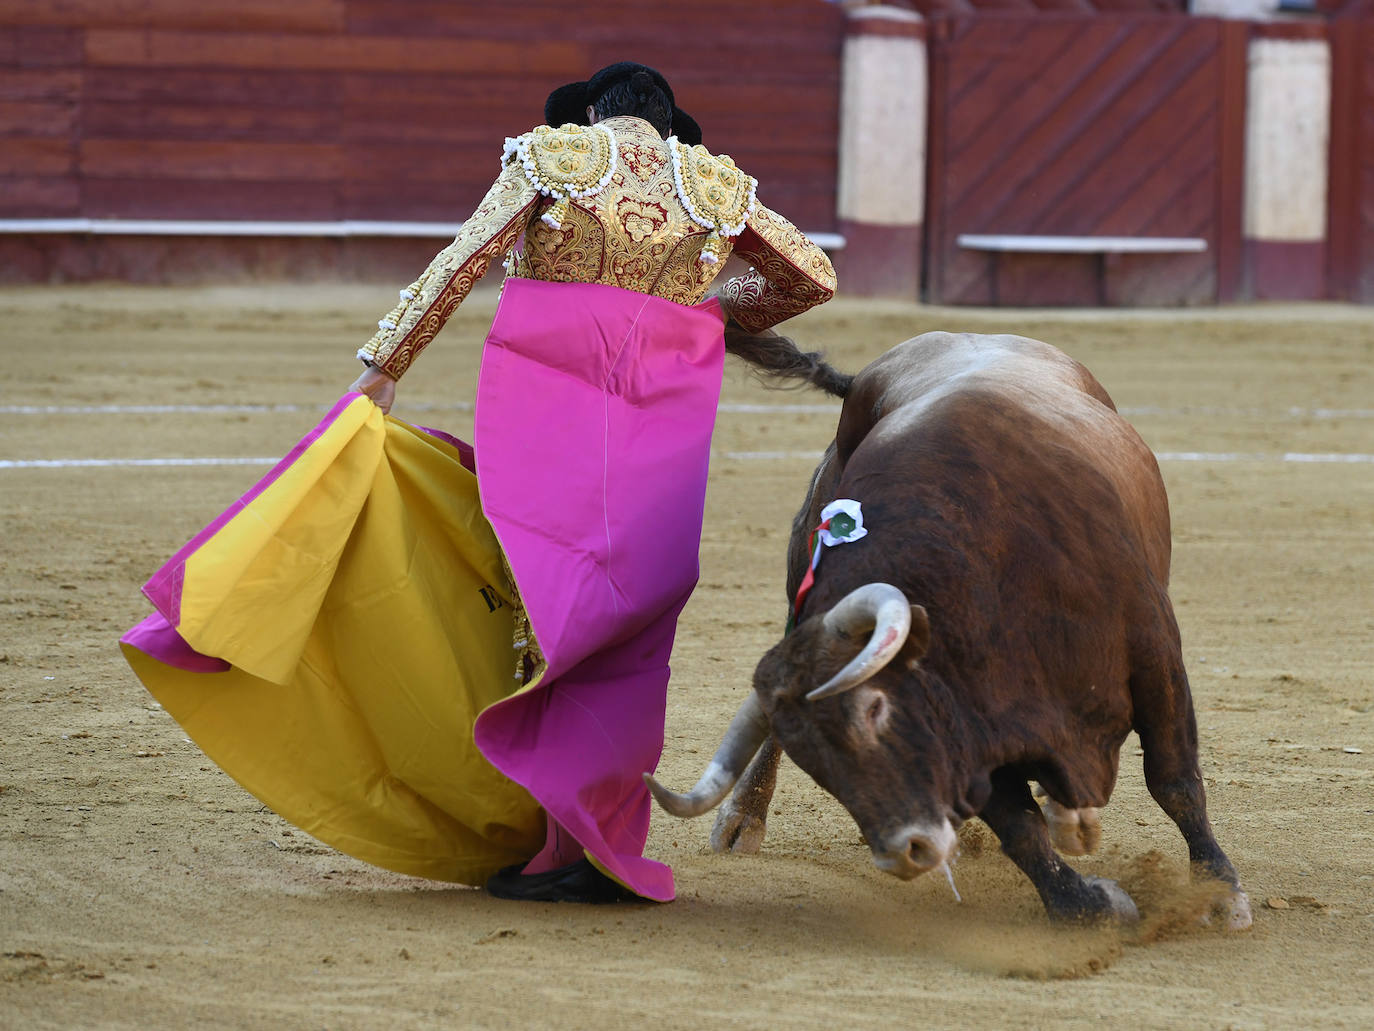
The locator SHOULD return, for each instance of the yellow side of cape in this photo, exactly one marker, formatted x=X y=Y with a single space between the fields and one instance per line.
x=362 y=604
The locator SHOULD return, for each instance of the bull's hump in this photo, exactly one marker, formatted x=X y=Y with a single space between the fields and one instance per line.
x=1020 y=409
x=922 y=378
x=946 y=361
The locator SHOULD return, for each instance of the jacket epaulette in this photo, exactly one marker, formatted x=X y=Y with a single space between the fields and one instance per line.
x=717 y=195
x=570 y=162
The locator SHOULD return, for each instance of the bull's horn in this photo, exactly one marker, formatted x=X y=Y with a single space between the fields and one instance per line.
x=743 y=737
x=883 y=608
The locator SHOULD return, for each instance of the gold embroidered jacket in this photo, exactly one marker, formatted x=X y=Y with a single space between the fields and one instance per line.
x=614 y=203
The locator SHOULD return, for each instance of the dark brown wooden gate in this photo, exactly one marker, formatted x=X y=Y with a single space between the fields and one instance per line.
x=1086 y=125
x=1350 y=228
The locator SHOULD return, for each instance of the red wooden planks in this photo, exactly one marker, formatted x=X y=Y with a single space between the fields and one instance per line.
x=36 y=156
x=26 y=196
x=223 y=122
x=218 y=160
x=1077 y=125
x=39 y=84
x=763 y=21
x=1364 y=212
x=273 y=15
x=196 y=199
x=328 y=109
x=211 y=87
x=1228 y=242
x=26 y=47
x=37 y=118
x=165 y=49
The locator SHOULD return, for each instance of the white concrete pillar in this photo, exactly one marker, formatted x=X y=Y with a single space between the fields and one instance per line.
x=882 y=152
x=1287 y=134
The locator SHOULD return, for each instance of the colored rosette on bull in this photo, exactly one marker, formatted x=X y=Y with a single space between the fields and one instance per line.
x=842 y=522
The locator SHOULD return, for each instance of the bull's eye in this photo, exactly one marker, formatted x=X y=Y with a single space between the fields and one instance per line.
x=876 y=712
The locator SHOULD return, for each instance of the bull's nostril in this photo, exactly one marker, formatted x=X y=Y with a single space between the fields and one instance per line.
x=916 y=849
x=922 y=853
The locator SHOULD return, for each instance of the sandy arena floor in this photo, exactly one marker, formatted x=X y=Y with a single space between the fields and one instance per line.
x=141 y=888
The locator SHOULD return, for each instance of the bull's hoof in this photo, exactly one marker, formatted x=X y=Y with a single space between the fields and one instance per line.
x=1231 y=912
x=1118 y=907
x=1074 y=832
x=737 y=830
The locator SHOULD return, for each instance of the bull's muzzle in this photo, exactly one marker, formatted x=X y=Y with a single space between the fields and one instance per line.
x=916 y=849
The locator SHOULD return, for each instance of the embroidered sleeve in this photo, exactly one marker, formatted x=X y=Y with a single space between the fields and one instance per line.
x=428 y=302
x=790 y=273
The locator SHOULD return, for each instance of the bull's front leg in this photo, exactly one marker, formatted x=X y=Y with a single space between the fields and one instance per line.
x=1016 y=820
x=743 y=817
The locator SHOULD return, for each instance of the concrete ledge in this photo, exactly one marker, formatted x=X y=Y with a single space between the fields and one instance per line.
x=1083 y=244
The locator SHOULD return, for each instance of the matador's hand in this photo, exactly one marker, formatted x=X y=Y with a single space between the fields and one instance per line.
x=377 y=385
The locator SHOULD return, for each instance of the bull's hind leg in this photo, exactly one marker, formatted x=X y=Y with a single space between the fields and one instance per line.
x=1167 y=726
x=743 y=817
x=1013 y=815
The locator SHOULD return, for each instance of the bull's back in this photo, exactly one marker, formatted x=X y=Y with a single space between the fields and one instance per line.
x=1023 y=411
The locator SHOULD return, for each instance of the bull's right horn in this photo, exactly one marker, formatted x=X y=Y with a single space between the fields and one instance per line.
x=880 y=606
x=743 y=737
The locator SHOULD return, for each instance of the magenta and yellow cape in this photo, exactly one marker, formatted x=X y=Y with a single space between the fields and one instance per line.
x=340 y=640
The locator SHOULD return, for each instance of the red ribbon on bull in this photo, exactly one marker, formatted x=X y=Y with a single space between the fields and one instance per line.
x=842 y=522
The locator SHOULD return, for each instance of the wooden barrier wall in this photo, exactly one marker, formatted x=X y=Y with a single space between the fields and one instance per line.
x=1085 y=125
x=1350 y=227
x=1055 y=116
x=379 y=109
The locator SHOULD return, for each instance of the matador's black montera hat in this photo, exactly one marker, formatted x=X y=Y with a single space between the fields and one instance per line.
x=569 y=103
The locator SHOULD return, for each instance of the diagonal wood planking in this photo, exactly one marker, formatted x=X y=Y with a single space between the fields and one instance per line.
x=1074 y=124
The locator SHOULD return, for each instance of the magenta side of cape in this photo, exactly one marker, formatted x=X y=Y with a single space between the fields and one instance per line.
x=595 y=410
x=157 y=638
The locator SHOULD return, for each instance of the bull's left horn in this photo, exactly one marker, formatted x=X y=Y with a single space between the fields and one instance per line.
x=883 y=608
x=743 y=737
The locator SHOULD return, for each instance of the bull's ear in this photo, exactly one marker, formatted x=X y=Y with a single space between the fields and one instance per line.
x=918 y=641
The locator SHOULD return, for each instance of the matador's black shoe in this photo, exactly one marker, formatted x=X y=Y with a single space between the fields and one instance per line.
x=576 y=882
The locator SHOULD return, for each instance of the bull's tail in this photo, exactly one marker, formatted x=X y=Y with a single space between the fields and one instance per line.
x=776 y=359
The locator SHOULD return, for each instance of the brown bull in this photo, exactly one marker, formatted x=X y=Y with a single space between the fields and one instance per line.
x=1005 y=620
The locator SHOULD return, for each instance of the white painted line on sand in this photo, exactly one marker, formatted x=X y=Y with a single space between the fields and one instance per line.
x=832 y=409
x=126 y=463
x=1162 y=456
x=769 y=456
x=1295 y=457
x=197 y=409
x=1293 y=412
x=734 y=408
x=1231 y=456
x=732 y=456
x=455 y=406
